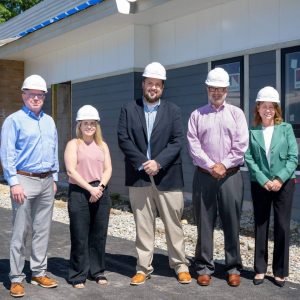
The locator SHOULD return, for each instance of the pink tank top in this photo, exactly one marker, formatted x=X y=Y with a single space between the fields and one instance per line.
x=90 y=162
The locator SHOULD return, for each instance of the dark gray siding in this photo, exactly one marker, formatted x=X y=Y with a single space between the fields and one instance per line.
x=107 y=95
x=262 y=72
x=47 y=107
x=296 y=204
x=185 y=87
x=138 y=79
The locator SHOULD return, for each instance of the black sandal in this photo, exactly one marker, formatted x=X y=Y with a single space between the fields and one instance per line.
x=101 y=280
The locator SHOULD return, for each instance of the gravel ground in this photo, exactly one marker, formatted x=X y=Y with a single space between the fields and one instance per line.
x=122 y=225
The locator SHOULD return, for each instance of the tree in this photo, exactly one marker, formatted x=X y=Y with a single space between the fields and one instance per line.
x=11 y=8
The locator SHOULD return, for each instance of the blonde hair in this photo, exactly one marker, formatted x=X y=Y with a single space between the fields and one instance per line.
x=277 y=118
x=97 y=136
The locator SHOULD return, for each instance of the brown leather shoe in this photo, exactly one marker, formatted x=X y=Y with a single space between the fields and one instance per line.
x=184 y=277
x=17 y=289
x=139 y=278
x=44 y=281
x=234 y=279
x=204 y=280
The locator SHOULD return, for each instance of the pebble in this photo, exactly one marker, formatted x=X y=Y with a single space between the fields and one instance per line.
x=122 y=225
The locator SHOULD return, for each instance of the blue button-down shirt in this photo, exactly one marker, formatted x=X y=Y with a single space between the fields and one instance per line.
x=28 y=143
x=150 y=111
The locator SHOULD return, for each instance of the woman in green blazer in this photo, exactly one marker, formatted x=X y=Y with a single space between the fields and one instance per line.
x=272 y=159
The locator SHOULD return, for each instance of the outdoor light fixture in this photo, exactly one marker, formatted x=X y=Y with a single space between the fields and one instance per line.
x=124 y=6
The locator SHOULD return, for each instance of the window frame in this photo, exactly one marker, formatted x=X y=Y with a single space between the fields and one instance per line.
x=283 y=55
x=284 y=52
x=239 y=59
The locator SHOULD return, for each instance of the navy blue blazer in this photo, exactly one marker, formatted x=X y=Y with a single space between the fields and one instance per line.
x=166 y=143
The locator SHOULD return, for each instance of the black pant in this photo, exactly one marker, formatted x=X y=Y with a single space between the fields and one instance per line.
x=282 y=205
x=88 y=229
x=210 y=196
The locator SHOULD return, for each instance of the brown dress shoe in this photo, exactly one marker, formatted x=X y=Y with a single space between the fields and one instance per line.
x=184 y=277
x=234 y=279
x=139 y=278
x=17 y=289
x=204 y=280
x=44 y=281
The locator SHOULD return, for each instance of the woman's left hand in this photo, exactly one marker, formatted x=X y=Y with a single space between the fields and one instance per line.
x=95 y=199
x=277 y=184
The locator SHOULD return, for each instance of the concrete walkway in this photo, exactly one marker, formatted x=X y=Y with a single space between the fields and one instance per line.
x=120 y=267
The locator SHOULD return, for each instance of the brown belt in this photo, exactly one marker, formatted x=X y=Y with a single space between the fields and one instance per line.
x=38 y=175
x=228 y=171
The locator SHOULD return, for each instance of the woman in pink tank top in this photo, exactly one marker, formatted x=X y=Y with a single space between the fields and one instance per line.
x=88 y=165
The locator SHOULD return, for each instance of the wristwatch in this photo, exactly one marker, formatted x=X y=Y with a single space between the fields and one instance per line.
x=103 y=186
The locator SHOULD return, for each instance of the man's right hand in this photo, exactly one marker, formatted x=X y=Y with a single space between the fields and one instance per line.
x=17 y=193
x=218 y=171
x=151 y=167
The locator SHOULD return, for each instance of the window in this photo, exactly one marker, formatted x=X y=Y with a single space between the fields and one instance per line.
x=290 y=88
x=235 y=69
x=290 y=80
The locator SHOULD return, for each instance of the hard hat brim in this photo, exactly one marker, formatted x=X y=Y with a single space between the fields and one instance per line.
x=34 y=88
x=155 y=77
x=87 y=119
x=268 y=100
x=216 y=84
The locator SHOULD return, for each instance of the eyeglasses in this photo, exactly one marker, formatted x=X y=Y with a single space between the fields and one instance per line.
x=216 y=89
x=33 y=96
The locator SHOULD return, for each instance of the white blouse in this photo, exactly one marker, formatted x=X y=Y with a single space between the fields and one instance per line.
x=268 y=132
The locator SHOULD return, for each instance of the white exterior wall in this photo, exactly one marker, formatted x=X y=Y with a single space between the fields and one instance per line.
x=101 y=55
x=115 y=52
x=219 y=31
x=230 y=27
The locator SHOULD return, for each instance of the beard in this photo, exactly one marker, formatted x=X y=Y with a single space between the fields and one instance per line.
x=217 y=101
x=151 y=99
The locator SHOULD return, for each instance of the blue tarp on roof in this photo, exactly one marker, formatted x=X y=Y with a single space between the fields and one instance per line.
x=61 y=16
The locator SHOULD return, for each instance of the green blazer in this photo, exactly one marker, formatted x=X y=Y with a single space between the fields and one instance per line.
x=283 y=158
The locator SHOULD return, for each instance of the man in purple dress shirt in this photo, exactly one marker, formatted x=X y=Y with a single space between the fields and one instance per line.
x=218 y=138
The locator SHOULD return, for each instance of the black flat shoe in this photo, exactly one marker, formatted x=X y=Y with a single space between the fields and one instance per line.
x=101 y=280
x=258 y=281
x=279 y=283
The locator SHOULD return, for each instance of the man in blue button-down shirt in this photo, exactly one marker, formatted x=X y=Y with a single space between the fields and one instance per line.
x=30 y=164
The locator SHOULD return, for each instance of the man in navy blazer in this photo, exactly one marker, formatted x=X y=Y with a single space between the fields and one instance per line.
x=150 y=134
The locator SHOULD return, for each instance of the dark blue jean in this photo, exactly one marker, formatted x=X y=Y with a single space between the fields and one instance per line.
x=88 y=230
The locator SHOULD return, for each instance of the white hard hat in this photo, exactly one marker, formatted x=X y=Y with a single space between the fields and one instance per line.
x=155 y=70
x=268 y=94
x=34 y=82
x=87 y=112
x=217 y=77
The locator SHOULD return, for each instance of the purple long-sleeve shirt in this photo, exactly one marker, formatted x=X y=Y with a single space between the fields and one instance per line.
x=218 y=136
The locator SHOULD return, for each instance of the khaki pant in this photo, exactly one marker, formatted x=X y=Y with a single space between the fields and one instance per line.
x=145 y=202
x=34 y=214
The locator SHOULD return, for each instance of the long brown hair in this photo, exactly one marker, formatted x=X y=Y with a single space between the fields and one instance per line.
x=277 y=118
x=97 y=136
